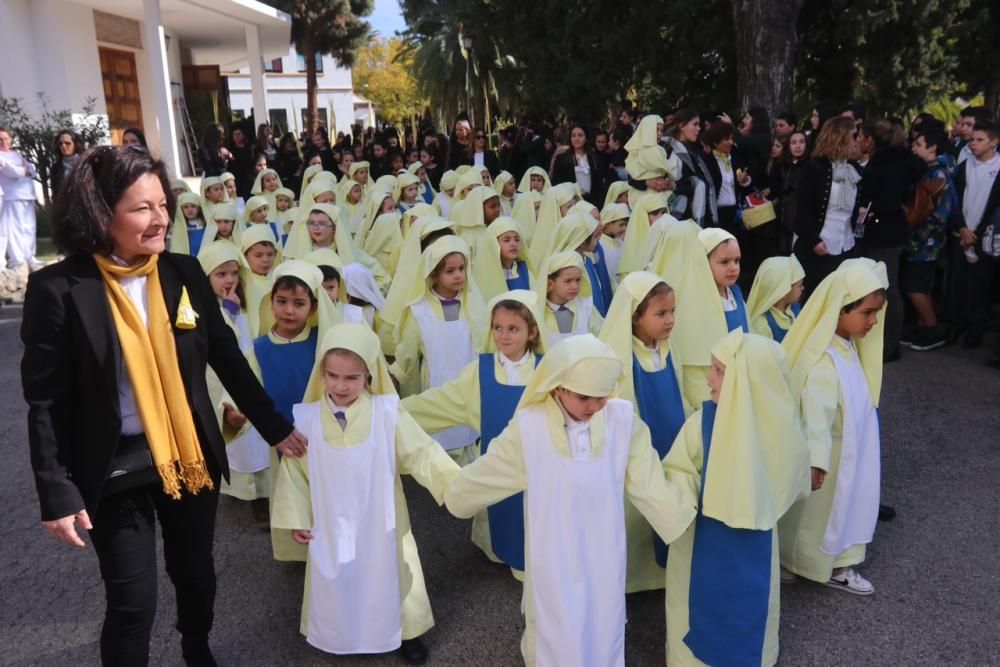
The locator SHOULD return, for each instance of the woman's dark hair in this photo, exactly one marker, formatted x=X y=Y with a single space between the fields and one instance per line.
x=292 y=284
x=262 y=135
x=717 y=133
x=329 y=273
x=681 y=118
x=878 y=130
x=586 y=136
x=85 y=206
x=212 y=137
x=855 y=304
x=288 y=140
x=138 y=135
x=518 y=308
x=761 y=121
x=786 y=159
x=659 y=289
x=935 y=136
x=77 y=140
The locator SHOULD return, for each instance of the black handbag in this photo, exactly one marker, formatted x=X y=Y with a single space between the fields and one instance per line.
x=131 y=466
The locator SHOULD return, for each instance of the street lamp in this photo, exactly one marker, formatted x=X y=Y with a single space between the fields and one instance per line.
x=467 y=42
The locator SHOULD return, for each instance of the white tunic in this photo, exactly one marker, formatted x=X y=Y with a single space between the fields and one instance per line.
x=855 y=500
x=448 y=348
x=354 y=599
x=577 y=566
x=581 y=323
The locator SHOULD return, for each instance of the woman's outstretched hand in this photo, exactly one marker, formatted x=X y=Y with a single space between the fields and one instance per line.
x=64 y=529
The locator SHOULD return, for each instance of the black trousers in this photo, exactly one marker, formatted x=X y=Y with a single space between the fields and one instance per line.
x=124 y=537
x=969 y=289
x=817 y=267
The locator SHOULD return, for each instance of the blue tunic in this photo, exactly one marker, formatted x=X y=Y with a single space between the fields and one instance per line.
x=737 y=319
x=194 y=239
x=730 y=582
x=658 y=397
x=427 y=194
x=776 y=330
x=285 y=370
x=602 y=274
x=497 y=403
x=522 y=281
x=597 y=291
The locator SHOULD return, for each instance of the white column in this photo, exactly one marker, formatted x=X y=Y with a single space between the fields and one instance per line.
x=260 y=112
x=155 y=43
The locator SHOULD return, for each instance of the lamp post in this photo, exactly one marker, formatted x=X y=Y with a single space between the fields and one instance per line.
x=467 y=41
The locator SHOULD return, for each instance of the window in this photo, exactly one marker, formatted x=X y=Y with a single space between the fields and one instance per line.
x=273 y=66
x=319 y=63
x=322 y=118
x=279 y=122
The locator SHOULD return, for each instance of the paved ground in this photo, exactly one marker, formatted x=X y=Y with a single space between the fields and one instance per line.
x=938 y=589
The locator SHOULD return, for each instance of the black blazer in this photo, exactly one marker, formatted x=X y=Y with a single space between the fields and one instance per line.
x=564 y=171
x=715 y=171
x=70 y=370
x=812 y=199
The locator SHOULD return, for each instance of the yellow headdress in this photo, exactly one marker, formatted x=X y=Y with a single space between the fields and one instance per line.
x=373 y=209
x=300 y=244
x=713 y=237
x=759 y=461
x=254 y=203
x=525 y=297
x=178 y=229
x=773 y=281
x=470 y=177
x=327 y=257
x=645 y=134
x=403 y=181
x=385 y=240
x=581 y=364
x=525 y=184
x=637 y=248
x=549 y=216
x=223 y=211
x=320 y=183
x=258 y=184
x=326 y=314
x=362 y=341
x=449 y=180
x=408 y=267
x=525 y=214
x=307 y=176
x=614 y=212
x=615 y=190
x=487 y=268
x=815 y=327
x=555 y=263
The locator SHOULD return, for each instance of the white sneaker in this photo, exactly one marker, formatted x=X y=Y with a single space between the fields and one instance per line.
x=788 y=577
x=850 y=581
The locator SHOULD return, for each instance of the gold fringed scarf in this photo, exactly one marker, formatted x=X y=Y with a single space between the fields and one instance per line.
x=151 y=359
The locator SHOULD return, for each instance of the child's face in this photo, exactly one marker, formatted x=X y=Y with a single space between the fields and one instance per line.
x=509 y=188
x=260 y=165
x=388 y=206
x=590 y=245
x=259 y=216
x=291 y=308
x=716 y=374
x=450 y=193
x=469 y=188
x=314 y=160
x=657 y=321
x=491 y=209
x=511 y=333
x=270 y=182
x=344 y=376
x=510 y=246
x=231 y=188
x=861 y=320
x=354 y=196
x=326 y=198
x=794 y=295
x=655 y=214
x=564 y=209
x=658 y=184
x=260 y=258
x=396 y=164
x=191 y=211
x=616 y=228
x=922 y=150
x=361 y=175
x=449 y=278
x=410 y=192
x=282 y=203
x=332 y=288
x=622 y=198
x=215 y=193
x=178 y=191
x=422 y=174
x=537 y=182
x=224 y=279
x=321 y=229
x=581 y=408
x=725 y=263
x=225 y=227
x=565 y=285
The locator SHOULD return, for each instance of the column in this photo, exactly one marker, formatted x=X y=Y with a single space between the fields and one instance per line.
x=260 y=112
x=155 y=43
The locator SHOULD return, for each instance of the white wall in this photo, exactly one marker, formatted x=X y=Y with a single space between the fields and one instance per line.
x=51 y=47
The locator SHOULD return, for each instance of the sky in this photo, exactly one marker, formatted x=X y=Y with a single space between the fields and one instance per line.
x=387 y=18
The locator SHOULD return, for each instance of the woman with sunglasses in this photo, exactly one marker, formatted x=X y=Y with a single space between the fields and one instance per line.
x=68 y=146
x=481 y=154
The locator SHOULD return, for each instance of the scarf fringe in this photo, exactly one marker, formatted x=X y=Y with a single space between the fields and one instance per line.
x=194 y=477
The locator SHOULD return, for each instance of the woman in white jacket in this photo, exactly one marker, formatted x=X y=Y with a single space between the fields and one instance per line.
x=17 y=215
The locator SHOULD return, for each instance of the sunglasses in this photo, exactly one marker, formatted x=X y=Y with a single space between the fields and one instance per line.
x=480 y=136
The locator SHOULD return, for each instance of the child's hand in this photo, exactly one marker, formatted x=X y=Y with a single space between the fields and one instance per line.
x=231 y=295
x=232 y=416
x=742 y=177
x=818 y=477
x=302 y=536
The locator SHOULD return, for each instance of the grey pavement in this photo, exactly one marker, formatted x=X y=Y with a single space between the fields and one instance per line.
x=937 y=603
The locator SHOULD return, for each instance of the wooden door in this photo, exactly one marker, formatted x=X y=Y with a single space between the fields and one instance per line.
x=121 y=91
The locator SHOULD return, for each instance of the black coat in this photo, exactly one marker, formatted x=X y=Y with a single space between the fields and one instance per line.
x=811 y=201
x=564 y=171
x=70 y=376
x=715 y=171
x=887 y=182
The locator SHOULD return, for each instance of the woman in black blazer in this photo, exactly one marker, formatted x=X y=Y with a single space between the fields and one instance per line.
x=577 y=164
x=91 y=452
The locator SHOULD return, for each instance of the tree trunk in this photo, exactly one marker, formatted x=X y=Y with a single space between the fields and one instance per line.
x=766 y=41
x=309 y=54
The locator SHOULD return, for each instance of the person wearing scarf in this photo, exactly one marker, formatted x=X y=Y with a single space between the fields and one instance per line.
x=118 y=337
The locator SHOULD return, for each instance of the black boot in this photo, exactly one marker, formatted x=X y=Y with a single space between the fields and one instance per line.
x=886 y=513
x=196 y=653
x=413 y=651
